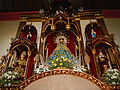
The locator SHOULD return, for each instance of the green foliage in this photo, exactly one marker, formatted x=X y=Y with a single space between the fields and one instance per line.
x=79 y=68
x=113 y=76
x=41 y=69
x=8 y=78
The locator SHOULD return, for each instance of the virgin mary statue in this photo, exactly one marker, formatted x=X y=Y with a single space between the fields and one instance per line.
x=61 y=56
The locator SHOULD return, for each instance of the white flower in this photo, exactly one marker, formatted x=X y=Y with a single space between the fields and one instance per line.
x=79 y=68
x=41 y=69
x=9 y=72
x=8 y=77
x=113 y=82
x=5 y=74
x=113 y=76
x=15 y=73
x=13 y=76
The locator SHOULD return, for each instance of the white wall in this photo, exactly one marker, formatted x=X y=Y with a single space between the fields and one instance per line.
x=113 y=26
x=8 y=30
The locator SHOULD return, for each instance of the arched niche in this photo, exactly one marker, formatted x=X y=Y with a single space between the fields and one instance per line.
x=68 y=27
x=71 y=40
x=102 y=56
x=29 y=33
x=18 y=59
x=93 y=30
x=50 y=35
x=71 y=35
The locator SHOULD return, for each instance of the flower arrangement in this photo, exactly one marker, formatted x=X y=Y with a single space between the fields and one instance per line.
x=113 y=76
x=61 y=62
x=8 y=78
x=79 y=68
x=41 y=69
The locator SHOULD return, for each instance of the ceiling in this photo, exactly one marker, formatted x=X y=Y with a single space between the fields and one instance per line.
x=36 y=5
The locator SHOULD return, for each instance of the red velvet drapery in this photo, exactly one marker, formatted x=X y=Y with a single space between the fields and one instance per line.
x=29 y=32
x=30 y=65
x=92 y=65
x=52 y=45
x=71 y=44
x=33 y=38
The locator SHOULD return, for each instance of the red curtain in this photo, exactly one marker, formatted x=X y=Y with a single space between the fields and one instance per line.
x=71 y=44
x=33 y=39
x=24 y=34
x=92 y=65
x=30 y=65
x=51 y=44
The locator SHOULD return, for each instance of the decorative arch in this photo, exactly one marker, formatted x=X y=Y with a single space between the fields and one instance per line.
x=19 y=58
x=102 y=57
x=60 y=22
x=29 y=33
x=20 y=45
x=17 y=48
x=107 y=43
x=93 y=30
x=71 y=39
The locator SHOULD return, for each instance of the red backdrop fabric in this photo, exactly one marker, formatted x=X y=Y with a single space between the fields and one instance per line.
x=30 y=65
x=71 y=44
x=92 y=65
x=52 y=45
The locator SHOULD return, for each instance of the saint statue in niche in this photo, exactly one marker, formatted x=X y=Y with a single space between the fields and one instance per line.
x=93 y=33
x=21 y=64
x=29 y=36
x=102 y=63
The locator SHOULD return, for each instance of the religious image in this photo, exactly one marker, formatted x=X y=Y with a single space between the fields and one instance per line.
x=59 y=45
x=61 y=56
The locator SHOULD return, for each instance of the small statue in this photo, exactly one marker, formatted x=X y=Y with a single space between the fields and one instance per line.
x=61 y=41
x=21 y=64
x=102 y=63
x=93 y=33
x=29 y=36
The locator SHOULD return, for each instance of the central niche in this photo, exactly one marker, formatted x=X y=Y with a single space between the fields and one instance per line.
x=61 y=41
x=62 y=55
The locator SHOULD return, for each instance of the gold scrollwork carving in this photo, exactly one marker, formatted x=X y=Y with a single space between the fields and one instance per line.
x=68 y=72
